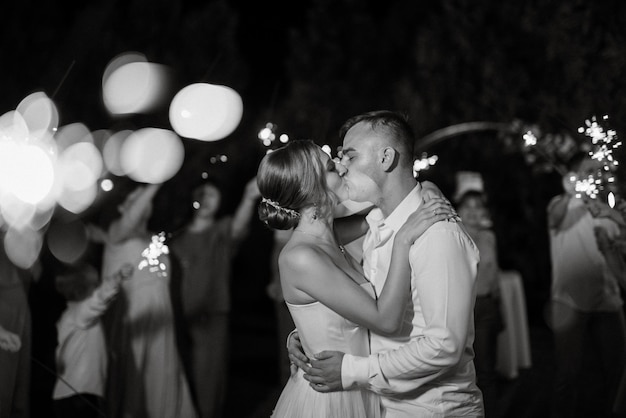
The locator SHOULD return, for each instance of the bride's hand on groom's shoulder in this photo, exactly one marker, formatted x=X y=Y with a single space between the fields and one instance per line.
x=427 y=214
x=431 y=190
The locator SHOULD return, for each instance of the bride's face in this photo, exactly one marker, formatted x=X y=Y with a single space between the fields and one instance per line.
x=334 y=177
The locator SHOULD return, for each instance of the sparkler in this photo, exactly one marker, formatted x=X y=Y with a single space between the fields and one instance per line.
x=152 y=253
x=549 y=148
x=603 y=143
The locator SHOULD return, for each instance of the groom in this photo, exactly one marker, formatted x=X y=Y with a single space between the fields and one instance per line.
x=426 y=369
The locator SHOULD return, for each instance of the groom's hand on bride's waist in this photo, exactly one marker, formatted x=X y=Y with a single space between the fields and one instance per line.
x=325 y=371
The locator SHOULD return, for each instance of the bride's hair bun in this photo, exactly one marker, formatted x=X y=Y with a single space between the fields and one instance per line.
x=292 y=179
x=276 y=216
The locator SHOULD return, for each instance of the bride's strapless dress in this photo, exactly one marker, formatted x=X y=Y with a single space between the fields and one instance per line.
x=321 y=329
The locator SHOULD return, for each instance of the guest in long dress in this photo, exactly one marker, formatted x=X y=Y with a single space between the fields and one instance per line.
x=16 y=346
x=146 y=377
x=204 y=252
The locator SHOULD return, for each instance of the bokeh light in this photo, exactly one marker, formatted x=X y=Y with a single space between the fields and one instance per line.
x=71 y=134
x=134 y=87
x=152 y=155
x=67 y=241
x=39 y=112
x=112 y=152
x=106 y=185
x=80 y=166
x=26 y=170
x=77 y=201
x=23 y=246
x=205 y=112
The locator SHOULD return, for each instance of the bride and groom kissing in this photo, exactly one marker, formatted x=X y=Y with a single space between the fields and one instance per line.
x=391 y=336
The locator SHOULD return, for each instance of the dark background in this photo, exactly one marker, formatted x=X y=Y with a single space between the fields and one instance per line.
x=309 y=65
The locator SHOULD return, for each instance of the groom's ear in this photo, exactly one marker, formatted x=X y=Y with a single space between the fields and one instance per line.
x=388 y=158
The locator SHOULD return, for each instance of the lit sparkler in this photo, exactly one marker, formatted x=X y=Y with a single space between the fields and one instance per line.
x=152 y=253
x=603 y=143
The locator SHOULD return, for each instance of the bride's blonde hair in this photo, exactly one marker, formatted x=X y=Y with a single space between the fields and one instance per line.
x=290 y=179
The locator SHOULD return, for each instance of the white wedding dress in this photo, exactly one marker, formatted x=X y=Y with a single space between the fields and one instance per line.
x=321 y=329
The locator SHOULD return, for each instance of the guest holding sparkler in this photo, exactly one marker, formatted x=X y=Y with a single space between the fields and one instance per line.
x=586 y=300
x=146 y=378
x=204 y=252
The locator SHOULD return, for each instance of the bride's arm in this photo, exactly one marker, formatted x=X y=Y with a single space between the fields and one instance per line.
x=310 y=270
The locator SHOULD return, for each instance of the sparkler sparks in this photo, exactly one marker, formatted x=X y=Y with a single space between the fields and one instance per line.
x=152 y=253
x=603 y=143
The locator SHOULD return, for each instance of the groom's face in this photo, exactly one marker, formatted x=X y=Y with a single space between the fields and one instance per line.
x=361 y=146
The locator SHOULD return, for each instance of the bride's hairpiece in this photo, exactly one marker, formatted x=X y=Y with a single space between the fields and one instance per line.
x=279 y=208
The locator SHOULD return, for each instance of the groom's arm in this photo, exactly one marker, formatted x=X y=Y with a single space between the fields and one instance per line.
x=444 y=263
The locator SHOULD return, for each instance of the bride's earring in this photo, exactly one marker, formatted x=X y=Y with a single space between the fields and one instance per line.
x=315 y=211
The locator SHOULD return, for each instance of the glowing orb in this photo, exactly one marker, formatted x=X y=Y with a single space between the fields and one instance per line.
x=26 y=171
x=112 y=152
x=80 y=166
x=76 y=201
x=135 y=87
x=39 y=112
x=206 y=112
x=106 y=185
x=23 y=246
x=16 y=212
x=67 y=241
x=152 y=155
x=71 y=134
x=13 y=126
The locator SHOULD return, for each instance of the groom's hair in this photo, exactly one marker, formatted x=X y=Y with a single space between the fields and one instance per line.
x=396 y=127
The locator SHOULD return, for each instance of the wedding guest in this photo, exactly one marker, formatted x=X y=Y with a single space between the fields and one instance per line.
x=204 y=251
x=587 y=307
x=15 y=338
x=488 y=322
x=146 y=377
x=81 y=356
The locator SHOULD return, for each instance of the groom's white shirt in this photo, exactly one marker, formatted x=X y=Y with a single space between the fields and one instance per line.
x=426 y=369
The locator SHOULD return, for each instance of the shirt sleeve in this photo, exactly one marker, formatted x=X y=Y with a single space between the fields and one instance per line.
x=444 y=264
x=95 y=305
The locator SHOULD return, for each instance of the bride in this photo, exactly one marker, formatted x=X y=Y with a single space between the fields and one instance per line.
x=330 y=300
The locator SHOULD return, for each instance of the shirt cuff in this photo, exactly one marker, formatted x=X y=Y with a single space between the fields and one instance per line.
x=289 y=337
x=354 y=371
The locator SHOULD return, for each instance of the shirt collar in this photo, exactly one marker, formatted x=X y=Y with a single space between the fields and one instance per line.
x=400 y=214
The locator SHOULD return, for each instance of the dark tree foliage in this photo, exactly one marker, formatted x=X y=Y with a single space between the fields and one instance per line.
x=553 y=64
